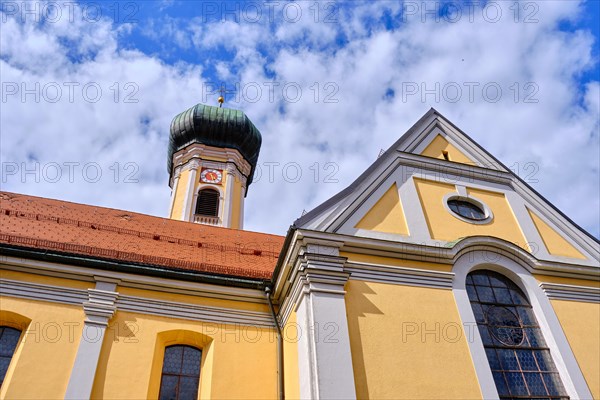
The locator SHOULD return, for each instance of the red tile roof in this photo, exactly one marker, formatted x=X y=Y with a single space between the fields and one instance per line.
x=105 y=233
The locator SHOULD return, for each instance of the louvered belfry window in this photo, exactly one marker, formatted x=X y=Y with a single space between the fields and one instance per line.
x=519 y=357
x=208 y=203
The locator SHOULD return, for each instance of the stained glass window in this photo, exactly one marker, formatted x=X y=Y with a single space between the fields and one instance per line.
x=519 y=358
x=9 y=338
x=180 y=373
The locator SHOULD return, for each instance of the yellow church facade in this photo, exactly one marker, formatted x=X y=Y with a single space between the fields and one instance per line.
x=437 y=274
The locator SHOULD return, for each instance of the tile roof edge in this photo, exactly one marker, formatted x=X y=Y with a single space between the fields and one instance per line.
x=132 y=212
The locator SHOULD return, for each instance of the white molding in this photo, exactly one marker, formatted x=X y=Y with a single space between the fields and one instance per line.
x=399 y=275
x=158 y=284
x=100 y=304
x=554 y=336
x=38 y=291
x=556 y=291
x=194 y=312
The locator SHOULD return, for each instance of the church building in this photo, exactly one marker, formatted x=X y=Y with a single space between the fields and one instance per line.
x=437 y=274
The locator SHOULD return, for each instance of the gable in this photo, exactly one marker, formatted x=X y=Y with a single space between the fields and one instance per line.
x=555 y=243
x=416 y=170
x=441 y=149
x=386 y=215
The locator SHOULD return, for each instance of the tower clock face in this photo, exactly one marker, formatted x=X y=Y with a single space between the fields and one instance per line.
x=211 y=176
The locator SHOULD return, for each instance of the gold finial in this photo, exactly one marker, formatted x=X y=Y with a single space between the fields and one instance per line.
x=221 y=98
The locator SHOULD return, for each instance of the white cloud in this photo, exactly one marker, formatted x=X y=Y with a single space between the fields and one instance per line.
x=355 y=61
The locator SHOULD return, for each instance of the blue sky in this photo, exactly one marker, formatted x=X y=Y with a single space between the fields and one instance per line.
x=326 y=82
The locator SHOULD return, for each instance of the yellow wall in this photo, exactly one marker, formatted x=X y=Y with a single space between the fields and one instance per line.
x=180 y=193
x=238 y=361
x=439 y=144
x=42 y=363
x=444 y=226
x=581 y=323
x=291 y=336
x=389 y=361
x=554 y=242
x=386 y=215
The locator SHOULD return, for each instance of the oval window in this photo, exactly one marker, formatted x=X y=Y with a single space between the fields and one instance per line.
x=466 y=209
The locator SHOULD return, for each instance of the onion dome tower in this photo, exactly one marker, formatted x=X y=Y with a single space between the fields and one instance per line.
x=213 y=152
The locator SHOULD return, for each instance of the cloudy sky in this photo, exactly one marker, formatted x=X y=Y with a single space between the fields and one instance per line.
x=89 y=90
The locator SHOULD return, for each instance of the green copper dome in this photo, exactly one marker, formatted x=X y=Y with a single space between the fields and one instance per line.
x=217 y=127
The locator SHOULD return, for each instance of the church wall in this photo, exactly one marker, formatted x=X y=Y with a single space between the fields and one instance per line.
x=580 y=322
x=290 y=350
x=238 y=361
x=41 y=365
x=408 y=342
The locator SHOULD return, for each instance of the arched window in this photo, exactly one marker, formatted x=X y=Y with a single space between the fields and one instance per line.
x=9 y=337
x=181 y=373
x=208 y=203
x=516 y=351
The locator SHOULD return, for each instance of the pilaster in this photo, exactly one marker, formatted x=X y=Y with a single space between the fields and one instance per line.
x=99 y=309
x=191 y=194
x=325 y=360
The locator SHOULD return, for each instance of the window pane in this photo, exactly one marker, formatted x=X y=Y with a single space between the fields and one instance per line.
x=472 y=293
x=555 y=387
x=172 y=363
x=8 y=341
x=502 y=295
x=191 y=361
x=535 y=337
x=485 y=294
x=516 y=384
x=508 y=360
x=544 y=361
x=168 y=387
x=493 y=359
x=478 y=311
x=9 y=338
x=535 y=383
x=481 y=279
x=181 y=372
x=526 y=315
x=527 y=360
x=500 y=384
x=518 y=297
x=498 y=282
x=188 y=388
x=4 y=361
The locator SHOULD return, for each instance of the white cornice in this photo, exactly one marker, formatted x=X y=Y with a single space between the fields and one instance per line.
x=165 y=285
x=556 y=291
